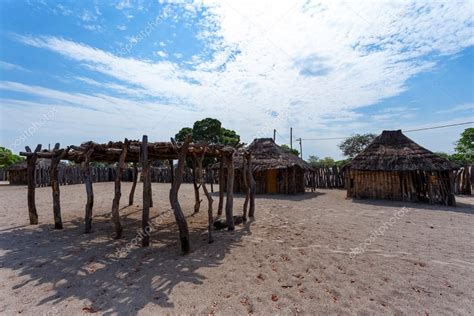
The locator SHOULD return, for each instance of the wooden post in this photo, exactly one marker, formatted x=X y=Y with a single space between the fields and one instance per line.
x=221 y=185
x=146 y=191
x=253 y=185
x=178 y=213
x=171 y=170
x=134 y=184
x=89 y=190
x=229 y=205
x=55 y=159
x=246 y=187
x=31 y=171
x=208 y=196
x=118 y=193
x=197 y=199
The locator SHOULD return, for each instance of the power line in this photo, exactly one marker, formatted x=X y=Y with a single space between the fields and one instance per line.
x=406 y=131
x=435 y=127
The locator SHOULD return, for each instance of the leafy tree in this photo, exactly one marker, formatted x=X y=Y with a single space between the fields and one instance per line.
x=181 y=135
x=355 y=144
x=316 y=162
x=465 y=146
x=209 y=130
x=8 y=158
x=229 y=137
x=287 y=149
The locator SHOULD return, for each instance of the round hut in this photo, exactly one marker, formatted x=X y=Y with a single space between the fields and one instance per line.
x=396 y=168
x=275 y=171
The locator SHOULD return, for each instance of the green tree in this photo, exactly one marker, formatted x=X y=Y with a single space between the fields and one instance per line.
x=465 y=146
x=211 y=131
x=355 y=144
x=8 y=158
x=287 y=149
x=316 y=162
x=181 y=135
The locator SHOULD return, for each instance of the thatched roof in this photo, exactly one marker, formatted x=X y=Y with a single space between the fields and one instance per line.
x=393 y=151
x=268 y=155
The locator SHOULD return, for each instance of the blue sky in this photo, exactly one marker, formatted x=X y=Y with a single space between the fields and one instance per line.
x=74 y=71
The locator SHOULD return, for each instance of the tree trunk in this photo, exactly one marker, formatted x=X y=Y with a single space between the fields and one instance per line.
x=89 y=190
x=253 y=186
x=197 y=200
x=208 y=196
x=134 y=184
x=146 y=192
x=229 y=205
x=118 y=193
x=31 y=174
x=171 y=170
x=178 y=213
x=57 y=156
x=221 y=186
x=246 y=187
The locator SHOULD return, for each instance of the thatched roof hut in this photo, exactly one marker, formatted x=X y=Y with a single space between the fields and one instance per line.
x=275 y=171
x=395 y=167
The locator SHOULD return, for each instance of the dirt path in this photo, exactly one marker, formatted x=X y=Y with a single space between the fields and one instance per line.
x=316 y=253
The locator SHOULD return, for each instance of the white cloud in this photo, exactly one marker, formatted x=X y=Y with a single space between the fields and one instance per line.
x=121 y=27
x=308 y=62
x=459 y=108
x=8 y=66
x=162 y=53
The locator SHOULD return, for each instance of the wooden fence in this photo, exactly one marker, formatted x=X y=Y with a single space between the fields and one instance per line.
x=74 y=175
x=325 y=178
x=333 y=178
x=464 y=180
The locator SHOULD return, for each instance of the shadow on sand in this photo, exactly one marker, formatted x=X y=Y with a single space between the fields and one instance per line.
x=86 y=267
x=460 y=207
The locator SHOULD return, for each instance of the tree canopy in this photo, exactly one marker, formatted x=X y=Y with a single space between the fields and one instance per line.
x=209 y=130
x=8 y=158
x=355 y=144
x=287 y=149
x=465 y=145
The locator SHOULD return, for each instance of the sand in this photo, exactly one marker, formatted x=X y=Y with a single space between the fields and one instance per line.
x=298 y=256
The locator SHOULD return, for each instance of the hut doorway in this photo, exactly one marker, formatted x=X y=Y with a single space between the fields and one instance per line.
x=272 y=181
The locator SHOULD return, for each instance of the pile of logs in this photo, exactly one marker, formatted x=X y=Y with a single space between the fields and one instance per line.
x=142 y=153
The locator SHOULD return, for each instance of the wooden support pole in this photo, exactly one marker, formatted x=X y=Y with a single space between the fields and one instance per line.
x=196 y=176
x=89 y=191
x=178 y=213
x=253 y=186
x=171 y=170
x=118 y=193
x=31 y=172
x=146 y=192
x=58 y=155
x=229 y=205
x=134 y=184
x=208 y=196
x=220 y=207
x=246 y=187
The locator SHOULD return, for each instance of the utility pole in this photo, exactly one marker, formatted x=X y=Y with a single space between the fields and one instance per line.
x=301 y=147
x=274 y=134
x=291 y=137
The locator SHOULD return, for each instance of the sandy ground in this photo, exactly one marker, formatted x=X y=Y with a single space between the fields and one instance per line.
x=296 y=257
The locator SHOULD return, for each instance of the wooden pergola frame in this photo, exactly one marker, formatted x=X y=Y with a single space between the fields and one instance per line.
x=143 y=152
